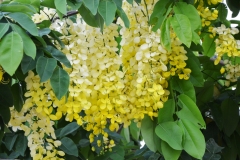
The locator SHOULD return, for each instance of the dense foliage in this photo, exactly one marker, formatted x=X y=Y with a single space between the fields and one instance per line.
x=91 y=79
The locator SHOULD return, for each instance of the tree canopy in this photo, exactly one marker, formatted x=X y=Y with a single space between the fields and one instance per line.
x=93 y=79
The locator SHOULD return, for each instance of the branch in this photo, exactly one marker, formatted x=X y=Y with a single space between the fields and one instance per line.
x=70 y=13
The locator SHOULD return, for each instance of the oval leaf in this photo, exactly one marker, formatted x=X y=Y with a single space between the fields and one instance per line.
x=148 y=133
x=107 y=10
x=193 y=139
x=191 y=12
x=190 y=111
x=17 y=96
x=182 y=27
x=11 y=53
x=59 y=82
x=25 y=22
x=165 y=34
x=45 y=67
x=68 y=146
x=58 y=55
x=171 y=133
x=28 y=46
x=166 y=113
x=168 y=152
x=185 y=87
x=68 y=129
x=61 y=6
x=3 y=29
x=92 y=5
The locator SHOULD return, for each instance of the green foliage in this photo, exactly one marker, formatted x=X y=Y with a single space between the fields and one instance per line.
x=182 y=27
x=208 y=46
x=171 y=133
x=190 y=111
x=11 y=52
x=107 y=10
x=202 y=102
x=45 y=67
x=69 y=147
x=149 y=135
x=92 y=5
x=25 y=22
x=3 y=29
x=59 y=82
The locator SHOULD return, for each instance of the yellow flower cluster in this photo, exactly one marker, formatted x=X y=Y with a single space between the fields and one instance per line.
x=214 y=2
x=95 y=80
x=207 y=14
x=45 y=14
x=35 y=122
x=227 y=47
x=106 y=89
x=226 y=43
x=147 y=64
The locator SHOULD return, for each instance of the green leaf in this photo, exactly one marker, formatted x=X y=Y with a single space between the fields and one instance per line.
x=92 y=5
x=9 y=140
x=191 y=12
x=195 y=37
x=28 y=63
x=75 y=5
x=130 y=1
x=233 y=6
x=118 y=3
x=190 y=111
x=165 y=114
x=48 y=3
x=17 y=96
x=45 y=67
x=118 y=153
x=209 y=46
x=134 y=131
x=60 y=82
x=16 y=8
x=21 y=144
x=84 y=142
x=11 y=54
x=69 y=147
x=148 y=133
x=182 y=27
x=222 y=12
x=168 y=152
x=185 y=87
x=55 y=35
x=171 y=133
x=230 y=116
x=58 y=55
x=68 y=129
x=43 y=31
x=29 y=47
x=87 y=16
x=33 y=3
x=193 y=139
x=5 y=113
x=25 y=22
x=61 y=6
x=196 y=76
x=3 y=29
x=107 y=10
x=6 y=98
x=123 y=16
x=126 y=135
x=165 y=34
x=160 y=11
